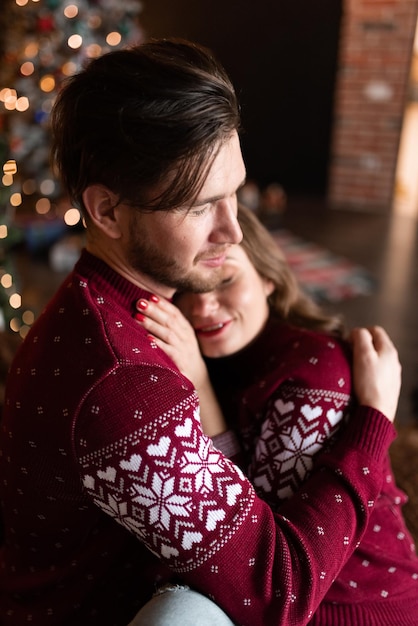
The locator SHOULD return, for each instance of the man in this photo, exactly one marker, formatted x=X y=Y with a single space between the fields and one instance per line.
x=109 y=486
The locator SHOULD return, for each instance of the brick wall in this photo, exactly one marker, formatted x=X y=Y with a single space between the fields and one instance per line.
x=371 y=89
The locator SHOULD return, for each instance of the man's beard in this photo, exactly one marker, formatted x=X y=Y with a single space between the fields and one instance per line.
x=148 y=259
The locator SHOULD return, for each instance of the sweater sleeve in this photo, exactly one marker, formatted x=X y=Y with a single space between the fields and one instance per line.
x=145 y=462
x=229 y=445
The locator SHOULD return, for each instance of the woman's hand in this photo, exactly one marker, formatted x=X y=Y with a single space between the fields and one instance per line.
x=172 y=332
x=376 y=370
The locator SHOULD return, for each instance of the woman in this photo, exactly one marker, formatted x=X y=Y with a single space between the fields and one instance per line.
x=282 y=372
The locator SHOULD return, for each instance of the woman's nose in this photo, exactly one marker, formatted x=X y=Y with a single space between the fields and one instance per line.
x=203 y=305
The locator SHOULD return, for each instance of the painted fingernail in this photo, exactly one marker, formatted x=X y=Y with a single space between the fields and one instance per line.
x=139 y=317
x=142 y=304
x=154 y=298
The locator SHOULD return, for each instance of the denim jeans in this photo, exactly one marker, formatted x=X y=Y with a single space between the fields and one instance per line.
x=178 y=605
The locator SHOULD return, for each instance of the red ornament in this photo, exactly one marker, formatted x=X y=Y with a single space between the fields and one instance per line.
x=45 y=23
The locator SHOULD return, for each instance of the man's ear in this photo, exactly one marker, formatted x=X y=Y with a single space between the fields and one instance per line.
x=101 y=205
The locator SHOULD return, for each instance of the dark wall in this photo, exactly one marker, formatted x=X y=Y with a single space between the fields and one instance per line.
x=281 y=56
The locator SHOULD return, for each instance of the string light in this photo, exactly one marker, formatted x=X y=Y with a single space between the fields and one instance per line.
x=16 y=199
x=15 y=324
x=10 y=167
x=47 y=187
x=43 y=206
x=75 y=41
x=114 y=39
x=6 y=280
x=68 y=69
x=29 y=186
x=47 y=83
x=7 y=180
x=22 y=104
x=27 y=68
x=93 y=51
x=15 y=300
x=72 y=217
x=71 y=11
x=9 y=98
x=31 y=50
x=28 y=317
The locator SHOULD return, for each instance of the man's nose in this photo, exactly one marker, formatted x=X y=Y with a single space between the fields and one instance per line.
x=226 y=227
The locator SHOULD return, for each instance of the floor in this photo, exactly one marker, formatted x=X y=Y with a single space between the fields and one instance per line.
x=386 y=246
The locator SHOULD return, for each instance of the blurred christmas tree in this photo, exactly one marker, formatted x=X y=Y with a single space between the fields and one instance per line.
x=44 y=42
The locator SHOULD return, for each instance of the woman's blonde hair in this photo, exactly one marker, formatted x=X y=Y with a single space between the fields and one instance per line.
x=287 y=301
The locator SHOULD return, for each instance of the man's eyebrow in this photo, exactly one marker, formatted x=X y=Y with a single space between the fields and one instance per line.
x=216 y=198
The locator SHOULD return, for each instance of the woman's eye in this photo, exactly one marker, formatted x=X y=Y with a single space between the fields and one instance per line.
x=227 y=280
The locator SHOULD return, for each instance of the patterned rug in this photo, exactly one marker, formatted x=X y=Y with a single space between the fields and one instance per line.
x=322 y=274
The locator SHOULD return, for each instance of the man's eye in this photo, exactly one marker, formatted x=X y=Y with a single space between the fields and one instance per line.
x=197 y=212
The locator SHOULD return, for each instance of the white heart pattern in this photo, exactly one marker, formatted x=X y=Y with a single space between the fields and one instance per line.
x=190 y=538
x=168 y=551
x=284 y=407
x=311 y=413
x=334 y=416
x=133 y=464
x=213 y=518
x=184 y=430
x=232 y=491
x=160 y=448
x=88 y=482
x=109 y=474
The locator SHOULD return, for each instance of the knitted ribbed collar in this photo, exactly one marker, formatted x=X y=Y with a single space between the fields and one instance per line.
x=107 y=279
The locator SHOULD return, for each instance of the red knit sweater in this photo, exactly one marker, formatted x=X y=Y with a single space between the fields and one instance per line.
x=108 y=485
x=287 y=395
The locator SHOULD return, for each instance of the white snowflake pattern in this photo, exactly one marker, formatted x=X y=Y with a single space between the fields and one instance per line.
x=202 y=464
x=136 y=526
x=162 y=501
x=299 y=451
x=113 y=507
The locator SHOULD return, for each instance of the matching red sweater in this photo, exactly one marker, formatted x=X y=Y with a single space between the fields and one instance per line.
x=288 y=406
x=109 y=487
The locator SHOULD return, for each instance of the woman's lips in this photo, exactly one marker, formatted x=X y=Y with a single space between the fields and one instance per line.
x=211 y=330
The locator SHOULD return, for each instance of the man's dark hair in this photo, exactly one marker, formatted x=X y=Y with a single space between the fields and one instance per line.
x=145 y=121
